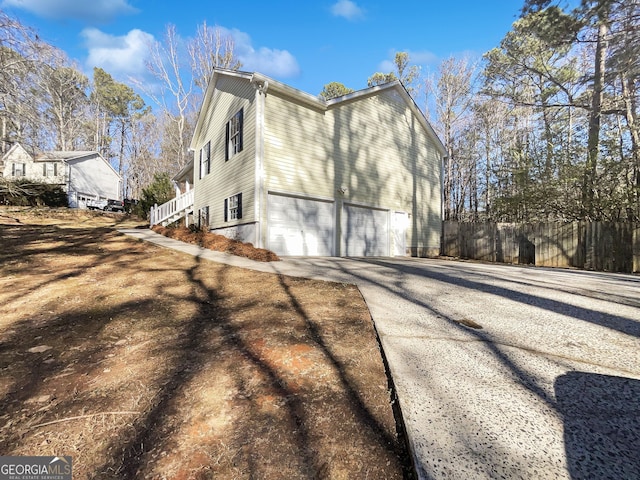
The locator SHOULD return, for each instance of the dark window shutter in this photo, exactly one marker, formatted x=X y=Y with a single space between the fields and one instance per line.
x=44 y=169
x=240 y=127
x=200 y=169
x=13 y=169
x=55 y=169
x=226 y=142
x=208 y=157
x=226 y=204
x=240 y=205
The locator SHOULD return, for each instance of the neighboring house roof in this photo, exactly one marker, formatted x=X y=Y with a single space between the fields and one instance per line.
x=10 y=152
x=58 y=156
x=266 y=83
x=70 y=156
x=64 y=155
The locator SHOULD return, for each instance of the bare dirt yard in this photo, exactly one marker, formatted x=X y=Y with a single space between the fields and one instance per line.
x=141 y=362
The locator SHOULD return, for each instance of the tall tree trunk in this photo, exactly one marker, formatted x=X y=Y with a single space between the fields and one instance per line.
x=3 y=141
x=123 y=132
x=595 y=116
x=629 y=96
x=487 y=176
x=448 y=179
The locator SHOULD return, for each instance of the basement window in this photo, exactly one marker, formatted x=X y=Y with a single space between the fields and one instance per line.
x=203 y=218
x=233 y=208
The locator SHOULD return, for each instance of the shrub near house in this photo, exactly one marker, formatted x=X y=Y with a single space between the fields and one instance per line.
x=25 y=192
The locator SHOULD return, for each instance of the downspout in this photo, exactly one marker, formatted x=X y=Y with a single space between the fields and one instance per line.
x=442 y=206
x=261 y=87
x=70 y=194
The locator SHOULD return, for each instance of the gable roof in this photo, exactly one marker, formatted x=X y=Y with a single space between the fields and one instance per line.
x=265 y=83
x=64 y=155
x=58 y=156
x=70 y=156
x=10 y=152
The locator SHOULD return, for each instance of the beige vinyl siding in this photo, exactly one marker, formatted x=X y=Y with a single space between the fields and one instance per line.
x=373 y=146
x=297 y=149
x=237 y=175
x=385 y=158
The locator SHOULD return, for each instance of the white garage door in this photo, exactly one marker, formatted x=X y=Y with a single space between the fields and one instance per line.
x=300 y=226
x=365 y=232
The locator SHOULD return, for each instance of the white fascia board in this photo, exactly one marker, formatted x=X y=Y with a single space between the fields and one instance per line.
x=288 y=91
x=422 y=119
x=97 y=154
x=366 y=92
x=15 y=146
x=211 y=87
x=397 y=85
x=184 y=170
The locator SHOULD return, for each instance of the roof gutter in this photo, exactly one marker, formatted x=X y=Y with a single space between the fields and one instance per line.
x=275 y=86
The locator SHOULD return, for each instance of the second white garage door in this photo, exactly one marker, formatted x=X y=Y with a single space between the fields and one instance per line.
x=365 y=232
x=300 y=226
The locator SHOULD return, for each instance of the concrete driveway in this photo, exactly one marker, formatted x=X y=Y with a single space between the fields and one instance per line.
x=501 y=371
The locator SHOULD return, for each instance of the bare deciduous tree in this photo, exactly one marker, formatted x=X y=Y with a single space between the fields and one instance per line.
x=167 y=64
x=63 y=89
x=211 y=48
x=451 y=94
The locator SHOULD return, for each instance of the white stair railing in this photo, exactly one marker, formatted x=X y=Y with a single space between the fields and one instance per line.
x=174 y=209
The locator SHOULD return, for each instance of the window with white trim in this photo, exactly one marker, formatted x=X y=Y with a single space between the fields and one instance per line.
x=17 y=169
x=234 y=135
x=49 y=169
x=233 y=208
x=205 y=159
x=203 y=217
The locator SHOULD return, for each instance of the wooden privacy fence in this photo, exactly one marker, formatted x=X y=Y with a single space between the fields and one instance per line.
x=603 y=246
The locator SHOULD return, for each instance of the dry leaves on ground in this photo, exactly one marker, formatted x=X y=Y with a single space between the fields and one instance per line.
x=217 y=242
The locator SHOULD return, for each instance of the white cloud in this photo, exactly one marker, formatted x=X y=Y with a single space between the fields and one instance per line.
x=422 y=58
x=415 y=58
x=386 y=66
x=347 y=9
x=125 y=56
x=87 y=10
x=120 y=56
x=272 y=62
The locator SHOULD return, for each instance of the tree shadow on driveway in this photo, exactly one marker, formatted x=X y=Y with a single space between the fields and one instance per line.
x=601 y=415
x=524 y=364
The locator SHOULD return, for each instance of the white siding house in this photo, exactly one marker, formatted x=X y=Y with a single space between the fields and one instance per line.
x=358 y=175
x=83 y=175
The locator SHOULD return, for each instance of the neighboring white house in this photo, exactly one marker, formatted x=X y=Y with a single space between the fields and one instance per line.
x=358 y=175
x=83 y=175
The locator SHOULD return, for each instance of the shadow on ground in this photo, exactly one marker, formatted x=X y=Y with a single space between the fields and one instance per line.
x=601 y=415
x=137 y=360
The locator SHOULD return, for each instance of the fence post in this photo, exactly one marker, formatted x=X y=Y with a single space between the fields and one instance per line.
x=636 y=247
x=152 y=214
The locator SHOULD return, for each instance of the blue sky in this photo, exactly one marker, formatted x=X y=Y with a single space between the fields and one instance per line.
x=305 y=44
